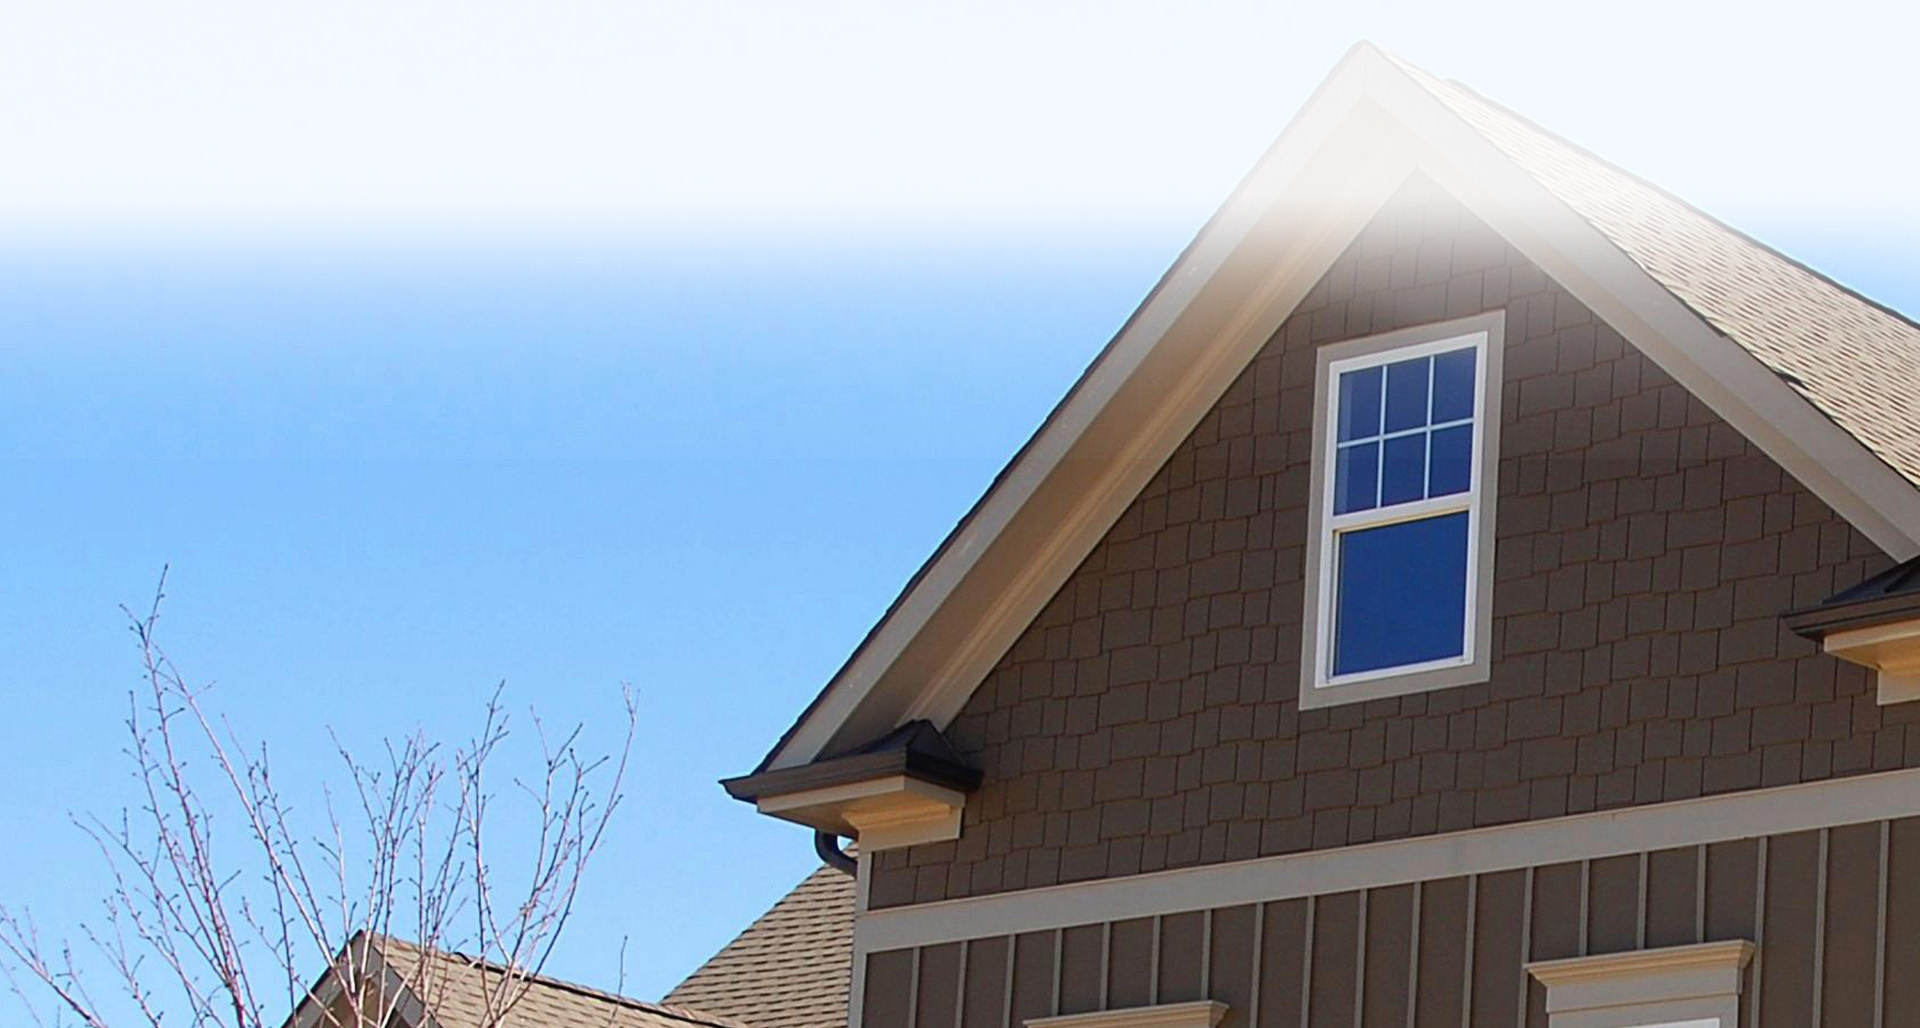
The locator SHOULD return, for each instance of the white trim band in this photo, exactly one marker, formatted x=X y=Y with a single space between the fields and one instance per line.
x=1792 y=808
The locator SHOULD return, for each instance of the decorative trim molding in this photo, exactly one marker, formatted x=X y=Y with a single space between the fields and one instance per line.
x=1646 y=987
x=1608 y=967
x=1892 y=651
x=882 y=813
x=1198 y=1014
x=1740 y=815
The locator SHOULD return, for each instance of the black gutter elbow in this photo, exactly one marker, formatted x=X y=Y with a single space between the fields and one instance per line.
x=827 y=845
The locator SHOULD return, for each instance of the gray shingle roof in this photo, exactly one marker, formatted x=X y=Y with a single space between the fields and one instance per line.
x=789 y=969
x=1856 y=361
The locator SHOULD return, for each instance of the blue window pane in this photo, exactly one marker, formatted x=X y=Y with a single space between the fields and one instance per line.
x=1453 y=381
x=1407 y=394
x=1360 y=404
x=1404 y=476
x=1356 y=471
x=1452 y=468
x=1402 y=595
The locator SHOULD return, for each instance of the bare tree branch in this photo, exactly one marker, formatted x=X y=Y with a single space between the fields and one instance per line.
x=199 y=924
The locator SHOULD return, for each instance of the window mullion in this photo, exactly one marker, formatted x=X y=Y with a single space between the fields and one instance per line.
x=1426 y=447
x=1380 y=463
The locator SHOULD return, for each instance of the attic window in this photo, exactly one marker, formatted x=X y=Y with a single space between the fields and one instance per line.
x=1399 y=563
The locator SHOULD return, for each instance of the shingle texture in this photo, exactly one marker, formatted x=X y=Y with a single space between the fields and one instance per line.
x=456 y=996
x=1854 y=360
x=789 y=969
x=1645 y=551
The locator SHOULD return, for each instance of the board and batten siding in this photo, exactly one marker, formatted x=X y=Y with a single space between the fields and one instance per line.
x=1835 y=913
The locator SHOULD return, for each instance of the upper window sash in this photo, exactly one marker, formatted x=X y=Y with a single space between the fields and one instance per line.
x=1383 y=511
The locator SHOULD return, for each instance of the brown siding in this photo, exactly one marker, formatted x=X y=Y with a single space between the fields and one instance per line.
x=1230 y=964
x=985 y=1003
x=889 y=989
x=1148 y=718
x=1851 y=951
x=1901 y=956
x=1787 y=970
x=1336 y=948
x=1446 y=938
x=1131 y=983
x=1455 y=948
x=1389 y=941
x=1182 y=957
x=1673 y=897
x=937 y=998
x=1082 y=966
x=1613 y=904
x=1283 y=965
x=1033 y=976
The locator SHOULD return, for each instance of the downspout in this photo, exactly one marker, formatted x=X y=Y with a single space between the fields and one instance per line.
x=827 y=845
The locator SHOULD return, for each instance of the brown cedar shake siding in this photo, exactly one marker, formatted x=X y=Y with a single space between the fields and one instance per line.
x=1449 y=952
x=1148 y=719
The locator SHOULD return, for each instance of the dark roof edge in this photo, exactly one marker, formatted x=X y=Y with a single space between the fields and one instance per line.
x=1886 y=598
x=1891 y=596
x=859 y=767
x=1819 y=622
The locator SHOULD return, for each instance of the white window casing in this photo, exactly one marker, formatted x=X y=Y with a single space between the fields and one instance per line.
x=1320 y=686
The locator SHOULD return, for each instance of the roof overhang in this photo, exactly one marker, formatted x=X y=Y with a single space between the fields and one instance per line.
x=907 y=789
x=1875 y=624
x=1367 y=129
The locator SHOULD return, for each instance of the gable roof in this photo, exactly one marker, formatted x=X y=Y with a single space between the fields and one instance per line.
x=457 y=988
x=792 y=968
x=1822 y=380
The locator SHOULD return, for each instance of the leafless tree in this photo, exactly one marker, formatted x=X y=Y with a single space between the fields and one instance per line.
x=284 y=919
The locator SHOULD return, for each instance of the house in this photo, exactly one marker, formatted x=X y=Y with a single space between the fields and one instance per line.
x=411 y=986
x=789 y=969
x=1468 y=591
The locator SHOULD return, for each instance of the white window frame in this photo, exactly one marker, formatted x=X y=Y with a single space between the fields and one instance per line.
x=1319 y=686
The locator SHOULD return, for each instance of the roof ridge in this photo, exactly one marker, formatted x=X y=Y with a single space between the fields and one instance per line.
x=671 y=1010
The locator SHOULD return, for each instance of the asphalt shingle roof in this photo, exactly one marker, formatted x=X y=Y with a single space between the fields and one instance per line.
x=457 y=997
x=789 y=969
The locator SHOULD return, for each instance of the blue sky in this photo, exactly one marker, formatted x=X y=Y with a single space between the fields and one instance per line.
x=385 y=483
x=659 y=344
